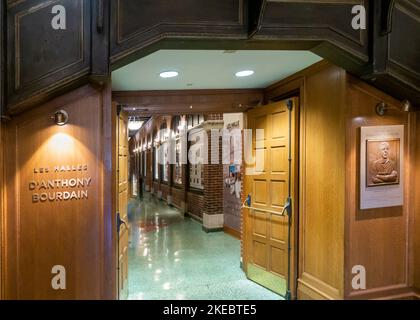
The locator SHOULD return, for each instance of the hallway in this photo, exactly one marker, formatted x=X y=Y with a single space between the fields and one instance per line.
x=170 y=257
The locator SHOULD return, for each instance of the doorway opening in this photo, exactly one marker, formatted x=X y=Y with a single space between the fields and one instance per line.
x=208 y=175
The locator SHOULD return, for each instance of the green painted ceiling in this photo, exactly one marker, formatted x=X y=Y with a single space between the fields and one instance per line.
x=210 y=69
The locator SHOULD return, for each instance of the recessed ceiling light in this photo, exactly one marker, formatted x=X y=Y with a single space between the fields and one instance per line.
x=169 y=74
x=244 y=73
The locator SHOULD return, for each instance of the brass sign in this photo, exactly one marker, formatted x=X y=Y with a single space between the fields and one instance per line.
x=51 y=190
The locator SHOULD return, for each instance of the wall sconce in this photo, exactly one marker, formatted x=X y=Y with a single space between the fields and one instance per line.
x=60 y=118
x=382 y=108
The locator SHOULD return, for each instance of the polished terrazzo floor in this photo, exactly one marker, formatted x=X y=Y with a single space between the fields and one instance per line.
x=171 y=258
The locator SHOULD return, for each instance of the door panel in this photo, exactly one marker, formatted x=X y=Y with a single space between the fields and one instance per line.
x=122 y=189
x=267 y=183
x=44 y=228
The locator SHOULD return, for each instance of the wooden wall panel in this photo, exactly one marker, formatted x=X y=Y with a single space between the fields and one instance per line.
x=316 y=19
x=377 y=238
x=327 y=24
x=136 y=25
x=416 y=266
x=77 y=234
x=1 y=210
x=2 y=72
x=395 y=52
x=40 y=58
x=321 y=223
x=406 y=19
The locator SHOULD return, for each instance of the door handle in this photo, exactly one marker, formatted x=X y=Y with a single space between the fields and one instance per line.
x=287 y=207
x=120 y=222
x=248 y=200
x=247 y=205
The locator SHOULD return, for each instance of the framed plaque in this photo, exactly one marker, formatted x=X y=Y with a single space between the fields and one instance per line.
x=381 y=167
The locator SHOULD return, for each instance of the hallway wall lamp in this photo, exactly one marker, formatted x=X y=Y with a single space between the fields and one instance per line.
x=382 y=107
x=60 y=118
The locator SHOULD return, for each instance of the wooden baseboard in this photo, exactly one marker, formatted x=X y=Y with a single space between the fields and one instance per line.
x=230 y=231
x=393 y=292
x=407 y=294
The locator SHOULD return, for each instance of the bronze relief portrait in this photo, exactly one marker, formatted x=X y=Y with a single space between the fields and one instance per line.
x=382 y=162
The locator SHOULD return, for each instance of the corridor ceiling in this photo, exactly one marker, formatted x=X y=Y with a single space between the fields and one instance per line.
x=210 y=69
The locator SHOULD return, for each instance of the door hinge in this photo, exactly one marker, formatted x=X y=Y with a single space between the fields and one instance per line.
x=120 y=222
x=288 y=207
x=290 y=105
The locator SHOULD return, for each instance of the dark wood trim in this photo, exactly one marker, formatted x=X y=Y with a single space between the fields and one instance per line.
x=292 y=84
x=2 y=108
x=388 y=293
x=174 y=102
x=2 y=56
x=2 y=208
x=109 y=290
x=112 y=38
x=100 y=70
x=232 y=232
x=181 y=93
x=391 y=30
x=256 y=15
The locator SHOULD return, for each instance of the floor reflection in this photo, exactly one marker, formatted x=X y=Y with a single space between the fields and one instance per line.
x=170 y=257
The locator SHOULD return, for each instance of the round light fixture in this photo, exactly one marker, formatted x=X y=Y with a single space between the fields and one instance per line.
x=244 y=73
x=169 y=74
x=60 y=118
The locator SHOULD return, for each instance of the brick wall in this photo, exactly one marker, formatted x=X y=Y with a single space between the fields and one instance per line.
x=164 y=188
x=178 y=196
x=213 y=186
x=195 y=204
x=213 y=178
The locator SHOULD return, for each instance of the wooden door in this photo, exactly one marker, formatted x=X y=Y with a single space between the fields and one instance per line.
x=267 y=184
x=122 y=202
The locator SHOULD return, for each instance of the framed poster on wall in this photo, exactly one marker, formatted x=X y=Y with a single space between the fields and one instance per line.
x=381 y=167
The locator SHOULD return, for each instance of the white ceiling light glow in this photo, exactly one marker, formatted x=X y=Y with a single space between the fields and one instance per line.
x=134 y=125
x=244 y=73
x=169 y=74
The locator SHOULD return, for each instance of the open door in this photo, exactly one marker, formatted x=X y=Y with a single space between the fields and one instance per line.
x=270 y=202
x=122 y=202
